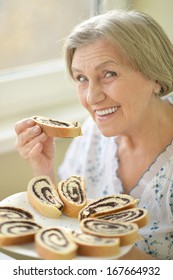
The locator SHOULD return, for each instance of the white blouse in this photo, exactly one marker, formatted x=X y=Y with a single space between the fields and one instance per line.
x=94 y=157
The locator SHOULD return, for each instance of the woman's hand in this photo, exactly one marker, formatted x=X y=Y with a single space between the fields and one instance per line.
x=36 y=147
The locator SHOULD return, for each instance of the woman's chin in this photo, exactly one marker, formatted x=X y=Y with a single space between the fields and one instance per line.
x=107 y=132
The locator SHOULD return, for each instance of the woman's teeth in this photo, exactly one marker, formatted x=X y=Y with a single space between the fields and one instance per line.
x=107 y=111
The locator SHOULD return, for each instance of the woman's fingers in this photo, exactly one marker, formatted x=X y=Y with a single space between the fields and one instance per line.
x=35 y=146
x=35 y=151
x=22 y=125
x=27 y=135
x=25 y=149
x=26 y=130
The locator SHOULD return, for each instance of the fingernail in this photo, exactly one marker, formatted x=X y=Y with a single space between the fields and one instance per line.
x=30 y=122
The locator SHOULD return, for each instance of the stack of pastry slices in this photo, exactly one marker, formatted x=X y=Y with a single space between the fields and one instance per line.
x=105 y=224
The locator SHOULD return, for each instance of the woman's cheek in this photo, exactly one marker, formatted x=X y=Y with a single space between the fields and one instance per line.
x=83 y=99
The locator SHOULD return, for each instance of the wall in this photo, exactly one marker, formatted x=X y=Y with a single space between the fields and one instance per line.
x=161 y=10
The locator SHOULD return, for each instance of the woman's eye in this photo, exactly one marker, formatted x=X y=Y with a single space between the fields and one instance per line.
x=110 y=74
x=81 y=78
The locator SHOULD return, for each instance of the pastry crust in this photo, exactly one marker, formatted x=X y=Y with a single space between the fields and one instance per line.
x=126 y=232
x=58 y=128
x=73 y=194
x=138 y=216
x=11 y=212
x=44 y=198
x=55 y=244
x=106 y=205
x=94 y=246
x=13 y=232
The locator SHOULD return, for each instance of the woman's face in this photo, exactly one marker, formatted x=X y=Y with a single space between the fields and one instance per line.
x=119 y=98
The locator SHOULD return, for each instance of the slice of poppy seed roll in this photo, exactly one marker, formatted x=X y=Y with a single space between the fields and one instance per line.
x=126 y=232
x=44 y=198
x=53 y=243
x=107 y=204
x=11 y=212
x=13 y=232
x=94 y=246
x=73 y=195
x=138 y=216
x=57 y=128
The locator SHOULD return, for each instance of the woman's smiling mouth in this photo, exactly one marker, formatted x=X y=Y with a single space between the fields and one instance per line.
x=107 y=111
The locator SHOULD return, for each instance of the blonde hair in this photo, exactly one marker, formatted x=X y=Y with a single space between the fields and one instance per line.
x=138 y=36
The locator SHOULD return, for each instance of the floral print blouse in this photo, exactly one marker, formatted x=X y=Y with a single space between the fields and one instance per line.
x=94 y=157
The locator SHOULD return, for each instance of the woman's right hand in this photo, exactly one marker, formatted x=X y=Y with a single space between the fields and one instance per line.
x=36 y=147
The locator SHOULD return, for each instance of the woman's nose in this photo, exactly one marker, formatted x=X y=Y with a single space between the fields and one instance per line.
x=95 y=94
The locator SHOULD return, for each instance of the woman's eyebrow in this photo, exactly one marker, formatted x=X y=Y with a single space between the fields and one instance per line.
x=105 y=63
x=74 y=69
x=98 y=66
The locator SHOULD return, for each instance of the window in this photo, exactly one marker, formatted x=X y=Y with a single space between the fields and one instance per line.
x=32 y=76
x=33 y=31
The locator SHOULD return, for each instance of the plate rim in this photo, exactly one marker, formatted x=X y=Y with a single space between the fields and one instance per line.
x=17 y=249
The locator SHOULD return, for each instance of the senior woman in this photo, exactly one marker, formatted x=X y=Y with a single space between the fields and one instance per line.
x=122 y=65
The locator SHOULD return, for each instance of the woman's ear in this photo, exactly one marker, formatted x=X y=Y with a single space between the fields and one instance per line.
x=157 y=88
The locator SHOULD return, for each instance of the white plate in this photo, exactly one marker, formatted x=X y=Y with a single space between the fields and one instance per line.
x=28 y=250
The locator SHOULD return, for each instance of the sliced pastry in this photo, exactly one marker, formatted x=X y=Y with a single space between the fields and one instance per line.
x=94 y=246
x=134 y=215
x=55 y=244
x=107 y=204
x=126 y=232
x=57 y=128
x=44 y=197
x=13 y=232
x=11 y=212
x=73 y=195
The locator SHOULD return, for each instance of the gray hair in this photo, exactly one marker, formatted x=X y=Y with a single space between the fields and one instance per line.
x=140 y=38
